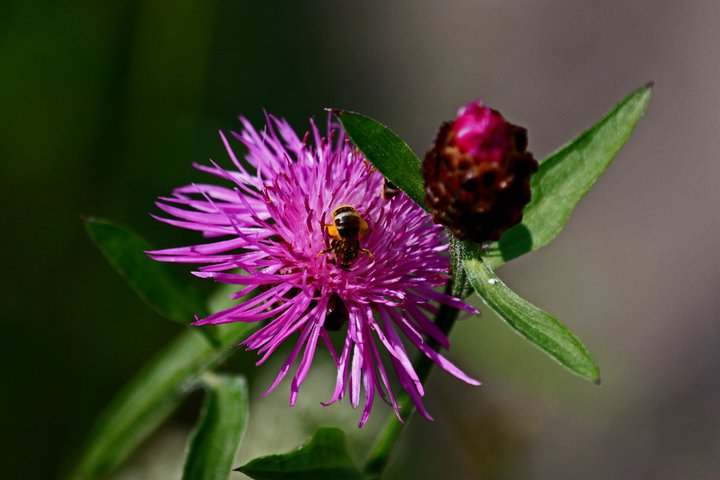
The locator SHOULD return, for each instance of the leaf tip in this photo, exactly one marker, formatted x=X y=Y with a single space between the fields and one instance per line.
x=334 y=111
x=650 y=84
x=597 y=381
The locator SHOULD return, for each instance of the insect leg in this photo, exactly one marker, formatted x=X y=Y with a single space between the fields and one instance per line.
x=368 y=253
x=324 y=251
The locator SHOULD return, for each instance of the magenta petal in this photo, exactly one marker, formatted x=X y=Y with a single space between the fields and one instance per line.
x=355 y=376
x=414 y=395
x=397 y=349
x=340 y=381
x=442 y=362
x=385 y=381
x=304 y=367
x=328 y=343
x=446 y=299
x=424 y=324
x=290 y=360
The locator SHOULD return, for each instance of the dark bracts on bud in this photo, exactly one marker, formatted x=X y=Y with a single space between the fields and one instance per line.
x=479 y=189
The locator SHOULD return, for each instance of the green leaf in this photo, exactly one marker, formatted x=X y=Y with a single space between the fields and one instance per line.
x=153 y=281
x=541 y=328
x=153 y=395
x=158 y=389
x=566 y=176
x=324 y=457
x=386 y=151
x=220 y=427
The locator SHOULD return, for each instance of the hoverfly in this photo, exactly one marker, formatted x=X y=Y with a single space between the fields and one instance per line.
x=345 y=232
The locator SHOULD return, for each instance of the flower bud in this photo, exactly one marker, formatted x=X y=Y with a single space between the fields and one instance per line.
x=477 y=175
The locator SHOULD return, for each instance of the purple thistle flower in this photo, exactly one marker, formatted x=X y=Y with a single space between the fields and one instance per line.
x=269 y=231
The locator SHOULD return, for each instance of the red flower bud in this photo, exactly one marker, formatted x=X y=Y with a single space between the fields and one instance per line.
x=477 y=176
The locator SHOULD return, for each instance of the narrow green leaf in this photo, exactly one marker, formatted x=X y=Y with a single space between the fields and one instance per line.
x=154 y=282
x=386 y=151
x=323 y=457
x=143 y=404
x=538 y=326
x=220 y=427
x=152 y=395
x=566 y=176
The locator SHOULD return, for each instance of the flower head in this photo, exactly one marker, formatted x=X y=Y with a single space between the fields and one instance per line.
x=307 y=231
x=477 y=176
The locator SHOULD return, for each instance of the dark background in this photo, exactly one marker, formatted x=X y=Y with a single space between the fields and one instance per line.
x=105 y=105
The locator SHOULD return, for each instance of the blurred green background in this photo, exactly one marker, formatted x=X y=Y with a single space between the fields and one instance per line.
x=105 y=105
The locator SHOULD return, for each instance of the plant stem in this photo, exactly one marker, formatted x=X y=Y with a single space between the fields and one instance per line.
x=381 y=452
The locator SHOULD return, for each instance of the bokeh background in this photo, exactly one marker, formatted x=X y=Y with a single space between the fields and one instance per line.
x=104 y=105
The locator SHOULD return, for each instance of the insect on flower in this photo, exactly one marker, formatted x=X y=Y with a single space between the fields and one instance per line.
x=345 y=231
x=390 y=190
x=337 y=313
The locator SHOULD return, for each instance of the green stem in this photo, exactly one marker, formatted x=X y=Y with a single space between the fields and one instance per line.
x=210 y=335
